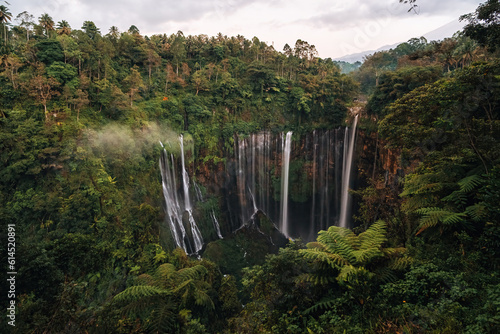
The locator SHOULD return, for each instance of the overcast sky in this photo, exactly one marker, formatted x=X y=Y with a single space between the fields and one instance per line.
x=335 y=27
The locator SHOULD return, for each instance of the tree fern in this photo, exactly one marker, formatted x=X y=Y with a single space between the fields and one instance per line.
x=159 y=296
x=348 y=254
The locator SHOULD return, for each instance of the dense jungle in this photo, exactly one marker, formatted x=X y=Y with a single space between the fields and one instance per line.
x=144 y=181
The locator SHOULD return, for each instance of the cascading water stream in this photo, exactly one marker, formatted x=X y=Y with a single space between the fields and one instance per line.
x=284 y=185
x=346 y=173
x=185 y=176
x=174 y=209
x=216 y=225
x=174 y=212
x=197 y=238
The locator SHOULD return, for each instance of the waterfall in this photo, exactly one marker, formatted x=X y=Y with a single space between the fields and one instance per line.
x=198 y=240
x=258 y=177
x=285 y=164
x=175 y=210
x=185 y=176
x=199 y=195
x=216 y=225
x=346 y=173
x=261 y=180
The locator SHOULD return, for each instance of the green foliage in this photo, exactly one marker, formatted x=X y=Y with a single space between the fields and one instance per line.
x=161 y=295
x=81 y=114
x=483 y=25
x=393 y=85
x=65 y=74
x=349 y=256
x=49 y=51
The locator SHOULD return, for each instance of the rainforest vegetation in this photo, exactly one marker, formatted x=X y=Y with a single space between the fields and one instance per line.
x=81 y=114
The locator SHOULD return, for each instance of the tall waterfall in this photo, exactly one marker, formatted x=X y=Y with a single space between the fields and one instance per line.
x=285 y=165
x=179 y=214
x=346 y=173
x=301 y=200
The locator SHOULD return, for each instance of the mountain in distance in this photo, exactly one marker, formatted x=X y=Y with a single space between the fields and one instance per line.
x=440 y=33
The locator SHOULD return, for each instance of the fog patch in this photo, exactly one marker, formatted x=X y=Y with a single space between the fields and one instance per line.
x=119 y=139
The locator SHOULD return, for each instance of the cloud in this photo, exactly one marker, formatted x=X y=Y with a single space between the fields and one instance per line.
x=320 y=22
x=344 y=15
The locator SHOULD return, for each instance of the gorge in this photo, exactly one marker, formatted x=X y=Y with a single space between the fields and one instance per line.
x=300 y=182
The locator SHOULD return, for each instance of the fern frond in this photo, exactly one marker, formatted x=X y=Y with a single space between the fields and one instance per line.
x=182 y=286
x=137 y=292
x=338 y=240
x=394 y=251
x=454 y=218
x=333 y=260
x=323 y=304
x=145 y=279
x=351 y=274
x=163 y=318
x=457 y=197
x=201 y=298
x=374 y=236
x=433 y=216
x=163 y=273
x=469 y=183
x=385 y=274
x=477 y=212
x=400 y=263
x=315 y=279
x=417 y=184
x=195 y=272
x=414 y=203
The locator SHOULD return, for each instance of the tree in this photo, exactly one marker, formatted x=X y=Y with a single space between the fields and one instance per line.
x=90 y=29
x=153 y=60
x=200 y=81
x=63 y=28
x=484 y=24
x=353 y=260
x=12 y=64
x=159 y=298
x=133 y=30
x=43 y=89
x=133 y=83
x=27 y=21
x=5 y=15
x=114 y=33
x=47 y=23
x=80 y=100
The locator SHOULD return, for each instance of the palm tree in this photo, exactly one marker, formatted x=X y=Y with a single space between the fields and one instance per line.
x=91 y=29
x=5 y=16
x=114 y=32
x=133 y=30
x=47 y=23
x=63 y=28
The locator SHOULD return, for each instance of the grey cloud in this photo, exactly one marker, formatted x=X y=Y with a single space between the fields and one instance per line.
x=355 y=13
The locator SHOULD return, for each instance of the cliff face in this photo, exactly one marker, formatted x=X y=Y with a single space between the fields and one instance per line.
x=251 y=179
